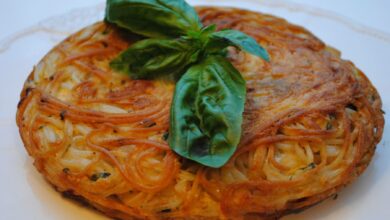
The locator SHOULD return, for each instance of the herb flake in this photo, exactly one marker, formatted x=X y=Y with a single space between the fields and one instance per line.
x=97 y=176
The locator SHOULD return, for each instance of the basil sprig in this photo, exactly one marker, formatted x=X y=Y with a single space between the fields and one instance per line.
x=209 y=99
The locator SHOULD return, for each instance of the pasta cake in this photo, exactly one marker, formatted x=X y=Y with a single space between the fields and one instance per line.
x=311 y=124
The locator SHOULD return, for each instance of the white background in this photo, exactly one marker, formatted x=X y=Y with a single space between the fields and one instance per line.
x=25 y=195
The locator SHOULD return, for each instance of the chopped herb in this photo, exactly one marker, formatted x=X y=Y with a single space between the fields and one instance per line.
x=329 y=126
x=101 y=175
x=309 y=167
x=332 y=116
x=373 y=98
x=383 y=112
x=352 y=106
x=65 y=170
x=165 y=136
x=166 y=210
x=335 y=196
x=62 y=115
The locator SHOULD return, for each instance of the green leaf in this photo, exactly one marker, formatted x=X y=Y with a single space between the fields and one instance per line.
x=206 y=113
x=224 y=38
x=153 y=57
x=203 y=34
x=153 y=18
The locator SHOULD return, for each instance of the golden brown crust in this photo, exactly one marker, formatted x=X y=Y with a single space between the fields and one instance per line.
x=311 y=124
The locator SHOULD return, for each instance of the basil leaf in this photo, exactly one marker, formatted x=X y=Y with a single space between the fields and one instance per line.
x=153 y=57
x=206 y=113
x=153 y=18
x=224 y=38
x=203 y=34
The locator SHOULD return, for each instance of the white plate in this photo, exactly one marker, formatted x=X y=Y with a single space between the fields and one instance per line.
x=24 y=193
